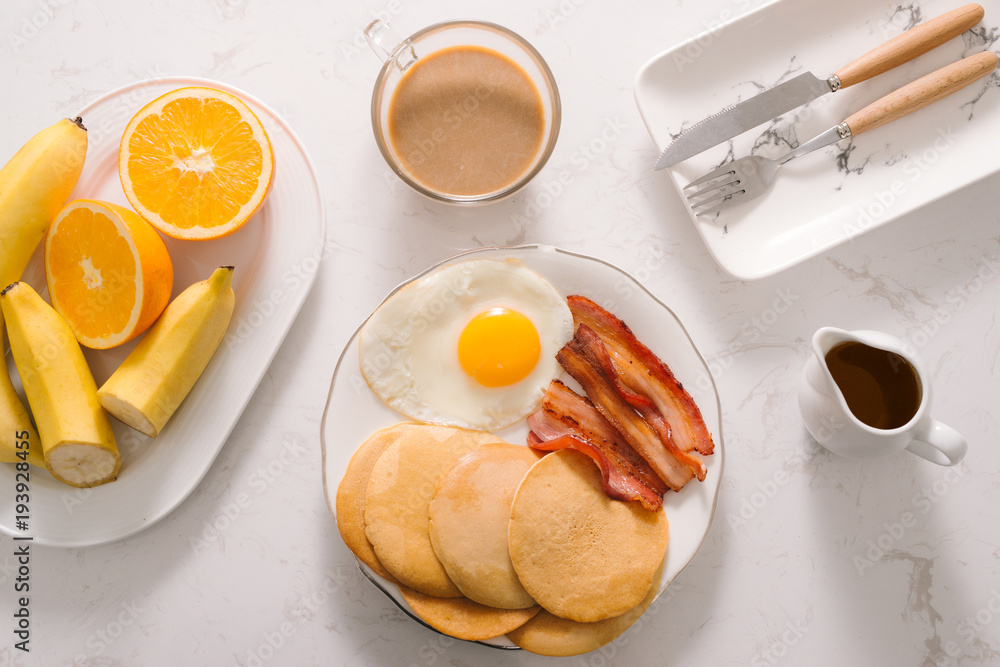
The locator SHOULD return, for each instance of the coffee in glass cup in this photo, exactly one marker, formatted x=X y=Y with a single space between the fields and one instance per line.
x=463 y=111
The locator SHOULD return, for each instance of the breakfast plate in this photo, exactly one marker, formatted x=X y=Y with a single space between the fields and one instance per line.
x=353 y=412
x=846 y=189
x=275 y=269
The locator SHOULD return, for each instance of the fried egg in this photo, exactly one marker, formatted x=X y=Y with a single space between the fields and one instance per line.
x=472 y=344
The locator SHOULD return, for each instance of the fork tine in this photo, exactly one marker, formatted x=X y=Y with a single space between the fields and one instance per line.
x=724 y=170
x=718 y=198
x=722 y=190
x=719 y=185
x=735 y=199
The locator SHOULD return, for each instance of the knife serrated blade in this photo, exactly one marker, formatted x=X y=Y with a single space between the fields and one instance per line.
x=784 y=97
x=742 y=116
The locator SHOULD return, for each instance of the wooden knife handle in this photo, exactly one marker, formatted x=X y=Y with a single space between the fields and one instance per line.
x=922 y=92
x=912 y=43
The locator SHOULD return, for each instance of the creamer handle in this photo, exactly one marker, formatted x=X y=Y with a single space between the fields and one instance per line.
x=939 y=443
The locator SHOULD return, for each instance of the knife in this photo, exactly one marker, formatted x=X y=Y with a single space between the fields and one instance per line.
x=775 y=101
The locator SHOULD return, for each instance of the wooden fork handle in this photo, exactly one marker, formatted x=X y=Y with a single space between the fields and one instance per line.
x=922 y=92
x=912 y=43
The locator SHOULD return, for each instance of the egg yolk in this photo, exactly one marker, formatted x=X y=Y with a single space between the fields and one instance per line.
x=499 y=347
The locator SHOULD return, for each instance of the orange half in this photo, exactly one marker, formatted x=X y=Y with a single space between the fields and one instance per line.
x=196 y=163
x=108 y=272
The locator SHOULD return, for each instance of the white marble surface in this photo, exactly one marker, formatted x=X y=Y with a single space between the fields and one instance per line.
x=812 y=559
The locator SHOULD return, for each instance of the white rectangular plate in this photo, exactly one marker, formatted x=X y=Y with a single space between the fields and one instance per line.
x=832 y=195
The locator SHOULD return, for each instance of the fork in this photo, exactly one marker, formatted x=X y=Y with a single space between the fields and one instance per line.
x=748 y=177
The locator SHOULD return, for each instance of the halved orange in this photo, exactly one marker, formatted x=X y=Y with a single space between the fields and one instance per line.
x=196 y=163
x=108 y=272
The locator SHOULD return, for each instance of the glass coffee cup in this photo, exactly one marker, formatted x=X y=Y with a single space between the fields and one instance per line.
x=465 y=112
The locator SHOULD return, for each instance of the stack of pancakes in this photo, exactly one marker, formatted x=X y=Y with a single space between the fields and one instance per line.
x=485 y=538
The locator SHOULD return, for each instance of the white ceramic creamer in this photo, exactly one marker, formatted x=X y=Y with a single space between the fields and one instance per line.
x=830 y=420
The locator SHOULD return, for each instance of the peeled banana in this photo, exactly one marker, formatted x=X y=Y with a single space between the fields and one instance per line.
x=76 y=436
x=150 y=384
x=34 y=185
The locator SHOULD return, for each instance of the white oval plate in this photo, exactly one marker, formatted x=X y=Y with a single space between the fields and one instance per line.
x=353 y=411
x=275 y=267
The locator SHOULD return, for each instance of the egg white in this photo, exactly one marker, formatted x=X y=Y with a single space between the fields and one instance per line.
x=409 y=346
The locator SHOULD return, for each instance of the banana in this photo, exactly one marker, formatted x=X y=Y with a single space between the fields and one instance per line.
x=34 y=185
x=76 y=436
x=150 y=384
x=16 y=428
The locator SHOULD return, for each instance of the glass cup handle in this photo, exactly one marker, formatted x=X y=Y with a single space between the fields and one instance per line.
x=939 y=443
x=385 y=42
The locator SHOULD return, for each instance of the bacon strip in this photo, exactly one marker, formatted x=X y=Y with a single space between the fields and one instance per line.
x=586 y=360
x=596 y=351
x=567 y=419
x=644 y=373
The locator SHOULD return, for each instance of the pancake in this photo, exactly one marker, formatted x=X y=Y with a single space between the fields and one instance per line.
x=469 y=518
x=464 y=619
x=398 y=497
x=350 y=502
x=580 y=554
x=547 y=634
